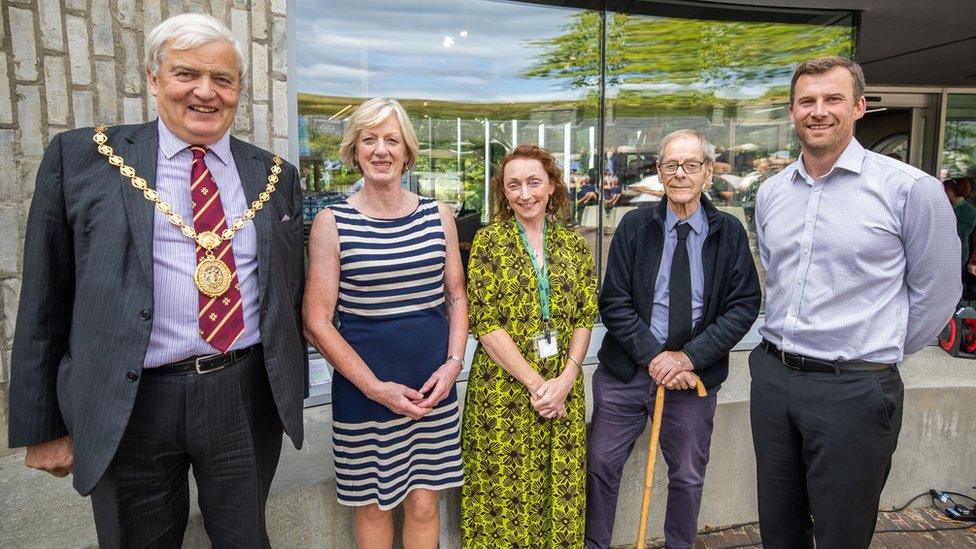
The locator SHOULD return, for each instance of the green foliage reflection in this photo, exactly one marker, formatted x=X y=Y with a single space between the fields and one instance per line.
x=685 y=62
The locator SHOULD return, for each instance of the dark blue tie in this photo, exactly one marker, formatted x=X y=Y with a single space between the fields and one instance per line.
x=679 y=295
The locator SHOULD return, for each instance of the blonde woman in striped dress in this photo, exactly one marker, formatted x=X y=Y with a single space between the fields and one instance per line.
x=385 y=305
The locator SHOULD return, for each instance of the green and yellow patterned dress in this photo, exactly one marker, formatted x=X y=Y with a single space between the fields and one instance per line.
x=525 y=476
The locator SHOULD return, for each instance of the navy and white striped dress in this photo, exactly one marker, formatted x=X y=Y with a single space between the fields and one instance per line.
x=391 y=311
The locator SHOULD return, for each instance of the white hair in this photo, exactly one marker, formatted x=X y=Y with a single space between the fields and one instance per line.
x=706 y=147
x=185 y=32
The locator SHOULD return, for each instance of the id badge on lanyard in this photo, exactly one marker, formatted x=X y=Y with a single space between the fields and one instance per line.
x=545 y=343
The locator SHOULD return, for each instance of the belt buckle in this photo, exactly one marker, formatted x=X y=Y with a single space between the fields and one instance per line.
x=208 y=370
x=792 y=361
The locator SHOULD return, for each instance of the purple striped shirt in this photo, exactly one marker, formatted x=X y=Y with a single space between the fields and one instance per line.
x=176 y=332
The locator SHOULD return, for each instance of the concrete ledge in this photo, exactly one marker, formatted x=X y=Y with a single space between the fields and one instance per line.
x=935 y=450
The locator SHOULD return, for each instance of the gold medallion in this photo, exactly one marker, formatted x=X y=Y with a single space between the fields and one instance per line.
x=212 y=277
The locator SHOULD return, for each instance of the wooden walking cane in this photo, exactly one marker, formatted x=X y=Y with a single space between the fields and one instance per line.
x=652 y=457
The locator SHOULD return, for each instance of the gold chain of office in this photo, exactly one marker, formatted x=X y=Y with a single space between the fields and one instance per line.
x=212 y=276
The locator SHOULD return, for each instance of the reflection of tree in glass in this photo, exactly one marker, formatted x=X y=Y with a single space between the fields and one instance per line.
x=438 y=143
x=959 y=154
x=685 y=61
x=574 y=55
x=324 y=146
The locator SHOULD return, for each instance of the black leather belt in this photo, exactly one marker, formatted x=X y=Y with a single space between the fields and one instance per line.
x=808 y=364
x=203 y=364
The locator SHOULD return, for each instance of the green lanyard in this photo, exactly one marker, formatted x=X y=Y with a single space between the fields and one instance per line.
x=541 y=271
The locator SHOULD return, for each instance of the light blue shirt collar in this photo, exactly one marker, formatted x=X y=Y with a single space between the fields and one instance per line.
x=170 y=144
x=851 y=160
x=697 y=220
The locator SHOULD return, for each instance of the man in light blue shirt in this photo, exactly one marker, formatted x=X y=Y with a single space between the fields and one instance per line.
x=861 y=257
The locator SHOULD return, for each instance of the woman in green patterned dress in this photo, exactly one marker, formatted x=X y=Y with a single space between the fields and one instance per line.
x=523 y=436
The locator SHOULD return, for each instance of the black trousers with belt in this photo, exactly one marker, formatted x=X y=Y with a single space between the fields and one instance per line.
x=823 y=443
x=225 y=425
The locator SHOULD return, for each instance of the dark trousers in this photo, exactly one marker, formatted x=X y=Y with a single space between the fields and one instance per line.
x=225 y=425
x=823 y=445
x=620 y=412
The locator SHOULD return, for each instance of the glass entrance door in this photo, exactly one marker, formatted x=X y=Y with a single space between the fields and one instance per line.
x=902 y=125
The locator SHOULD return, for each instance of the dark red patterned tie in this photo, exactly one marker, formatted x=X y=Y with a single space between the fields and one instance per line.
x=221 y=318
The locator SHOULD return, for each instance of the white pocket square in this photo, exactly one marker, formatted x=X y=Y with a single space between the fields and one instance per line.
x=286 y=218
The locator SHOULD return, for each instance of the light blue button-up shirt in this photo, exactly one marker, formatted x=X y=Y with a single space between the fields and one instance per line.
x=176 y=331
x=861 y=263
x=662 y=285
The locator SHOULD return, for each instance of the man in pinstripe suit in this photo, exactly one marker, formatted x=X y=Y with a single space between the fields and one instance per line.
x=140 y=353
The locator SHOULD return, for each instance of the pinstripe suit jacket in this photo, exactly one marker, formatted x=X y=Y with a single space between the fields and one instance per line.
x=87 y=294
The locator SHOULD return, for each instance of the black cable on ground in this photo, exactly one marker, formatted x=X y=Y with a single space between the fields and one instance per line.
x=964 y=526
x=903 y=507
x=921 y=530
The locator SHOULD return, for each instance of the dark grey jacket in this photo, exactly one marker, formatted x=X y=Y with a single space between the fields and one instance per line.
x=731 y=294
x=87 y=294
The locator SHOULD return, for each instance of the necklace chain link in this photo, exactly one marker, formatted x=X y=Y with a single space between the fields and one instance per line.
x=205 y=239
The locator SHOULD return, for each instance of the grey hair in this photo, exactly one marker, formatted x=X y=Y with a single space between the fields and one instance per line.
x=705 y=145
x=369 y=115
x=185 y=32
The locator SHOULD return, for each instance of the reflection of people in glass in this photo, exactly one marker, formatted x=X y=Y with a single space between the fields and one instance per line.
x=524 y=435
x=584 y=160
x=750 y=186
x=722 y=192
x=611 y=197
x=385 y=305
x=723 y=161
x=862 y=269
x=957 y=189
x=611 y=192
x=650 y=189
x=611 y=160
x=586 y=195
x=702 y=257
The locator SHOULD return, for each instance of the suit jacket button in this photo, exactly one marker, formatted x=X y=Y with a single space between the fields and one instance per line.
x=131 y=375
x=145 y=314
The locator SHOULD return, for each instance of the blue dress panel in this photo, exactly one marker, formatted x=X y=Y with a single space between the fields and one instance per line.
x=391 y=311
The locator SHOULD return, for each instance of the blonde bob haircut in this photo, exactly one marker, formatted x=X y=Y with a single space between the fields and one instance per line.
x=369 y=115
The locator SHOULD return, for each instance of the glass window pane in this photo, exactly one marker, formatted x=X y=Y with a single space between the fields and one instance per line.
x=727 y=79
x=479 y=77
x=959 y=148
x=467 y=74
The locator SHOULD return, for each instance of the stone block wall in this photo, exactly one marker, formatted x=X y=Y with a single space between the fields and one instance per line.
x=74 y=63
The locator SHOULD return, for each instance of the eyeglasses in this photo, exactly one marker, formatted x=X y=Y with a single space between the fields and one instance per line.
x=690 y=167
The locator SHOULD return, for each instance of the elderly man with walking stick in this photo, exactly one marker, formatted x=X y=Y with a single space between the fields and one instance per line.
x=680 y=291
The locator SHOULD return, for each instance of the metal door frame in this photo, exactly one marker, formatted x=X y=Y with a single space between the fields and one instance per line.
x=926 y=133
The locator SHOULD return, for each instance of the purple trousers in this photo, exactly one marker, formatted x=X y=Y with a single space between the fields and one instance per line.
x=620 y=413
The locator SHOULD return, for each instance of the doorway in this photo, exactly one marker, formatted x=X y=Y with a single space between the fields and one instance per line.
x=901 y=125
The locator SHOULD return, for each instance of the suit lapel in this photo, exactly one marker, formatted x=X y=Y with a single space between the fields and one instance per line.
x=253 y=173
x=140 y=149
